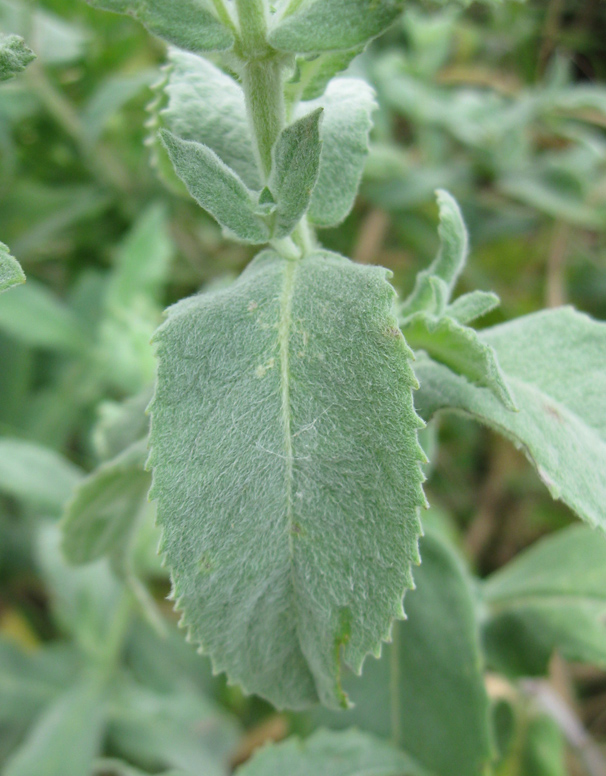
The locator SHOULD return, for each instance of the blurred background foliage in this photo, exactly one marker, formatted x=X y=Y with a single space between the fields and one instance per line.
x=502 y=104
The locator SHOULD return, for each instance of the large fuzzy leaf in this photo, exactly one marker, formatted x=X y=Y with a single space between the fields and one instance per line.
x=206 y=105
x=554 y=364
x=15 y=56
x=11 y=273
x=348 y=105
x=332 y=754
x=184 y=23
x=286 y=467
x=427 y=690
x=552 y=596
x=329 y=25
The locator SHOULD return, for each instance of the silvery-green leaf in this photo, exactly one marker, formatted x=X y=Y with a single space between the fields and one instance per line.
x=36 y=475
x=294 y=171
x=429 y=680
x=293 y=423
x=448 y=264
x=461 y=349
x=188 y=24
x=329 y=25
x=332 y=754
x=348 y=105
x=11 y=273
x=206 y=105
x=216 y=188
x=550 y=597
x=105 y=506
x=66 y=738
x=30 y=679
x=178 y=728
x=313 y=74
x=554 y=363
x=469 y=307
x=121 y=424
x=15 y=56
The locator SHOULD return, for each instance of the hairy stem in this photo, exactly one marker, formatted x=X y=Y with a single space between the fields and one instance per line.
x=264 y=92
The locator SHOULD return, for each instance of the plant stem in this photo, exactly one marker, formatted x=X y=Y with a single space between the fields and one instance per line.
x=264 y=93
x=262 y=80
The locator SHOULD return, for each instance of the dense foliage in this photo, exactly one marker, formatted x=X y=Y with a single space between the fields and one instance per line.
x=289 y=443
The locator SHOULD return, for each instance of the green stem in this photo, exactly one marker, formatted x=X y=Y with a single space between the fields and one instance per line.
x=252 y=16
x=262 y=81
x=224 y=14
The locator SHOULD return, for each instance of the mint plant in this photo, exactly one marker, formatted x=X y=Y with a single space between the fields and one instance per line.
x=284 y=447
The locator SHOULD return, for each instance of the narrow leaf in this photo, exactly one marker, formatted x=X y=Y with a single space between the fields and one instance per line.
x=328 y=25
x=66 y=739
x=348 y=105
x=460 y=349
x=295 y=168
x=332 y=754
x=11 y=273
x=469 y=307
x=35 y=316
x=434 y=705
x=554 y=363
x=551 y=596
x=448 y=264
x=272 y=441
x=313 y=74
x=36 y=475
x=105 y=507
x=216 y=188
x=184 y=23
x=15 y=56
x=206 y=105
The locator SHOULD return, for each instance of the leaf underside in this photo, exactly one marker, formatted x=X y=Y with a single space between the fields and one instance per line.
x=287 y=472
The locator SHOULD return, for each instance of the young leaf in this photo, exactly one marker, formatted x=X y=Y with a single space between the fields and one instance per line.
x=348 y=105
x=313 y=74
x=332 y=754
x=105 y=506
x=469 y=307
x=433 y=703
x=554 y=363
x=295 y=168
x=36 y=475
x=448 y=264
x=460 y=349
x=11 y=273
x=67 y=737
x=273 y=441
x=122 y=424
x=216 y=188
x=328 y=25
x=15 y=56
x=551 y=596
x=206 y=105
x=184 y=23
